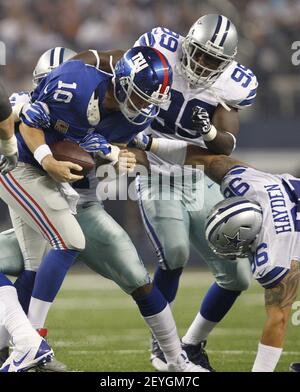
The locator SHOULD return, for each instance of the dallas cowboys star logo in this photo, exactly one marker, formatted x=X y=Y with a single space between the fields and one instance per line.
x=235 y=240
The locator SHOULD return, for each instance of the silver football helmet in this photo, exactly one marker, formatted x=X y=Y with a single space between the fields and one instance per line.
x=49 y=60
x=232 y=225
x=209 y=47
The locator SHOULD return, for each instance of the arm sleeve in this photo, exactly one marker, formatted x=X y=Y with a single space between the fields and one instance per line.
x=5 y=108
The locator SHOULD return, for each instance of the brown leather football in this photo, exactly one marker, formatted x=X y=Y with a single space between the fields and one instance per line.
x=65 y=150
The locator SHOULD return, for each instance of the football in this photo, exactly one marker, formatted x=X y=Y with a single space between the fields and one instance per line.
x=65 y=150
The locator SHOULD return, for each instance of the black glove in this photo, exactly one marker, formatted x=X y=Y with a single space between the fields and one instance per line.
x=201 y=121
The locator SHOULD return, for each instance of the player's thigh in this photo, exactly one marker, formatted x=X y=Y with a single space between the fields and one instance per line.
x=34 y=196
x=11 y=259
x=167 y=225
x=33 y=246
x=109 y=251
x=231 y=275
x=212 y=195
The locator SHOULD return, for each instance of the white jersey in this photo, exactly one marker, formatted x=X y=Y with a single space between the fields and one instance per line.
x=278 y=242
x=236 y=87
x=86 y=188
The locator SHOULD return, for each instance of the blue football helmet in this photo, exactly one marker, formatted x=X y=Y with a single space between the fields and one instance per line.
x=142 y=73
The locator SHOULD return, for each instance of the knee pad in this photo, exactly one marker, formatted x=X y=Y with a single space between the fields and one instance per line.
x=177 y=254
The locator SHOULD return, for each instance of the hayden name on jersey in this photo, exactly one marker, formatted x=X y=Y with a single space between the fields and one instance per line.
x=278 y=242
x=236 y=87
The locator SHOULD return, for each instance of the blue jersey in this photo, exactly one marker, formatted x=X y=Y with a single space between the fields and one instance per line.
x=74 y=93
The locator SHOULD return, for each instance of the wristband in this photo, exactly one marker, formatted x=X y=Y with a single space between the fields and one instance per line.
x=41 y=152
x=9 y=146
x=211 y=135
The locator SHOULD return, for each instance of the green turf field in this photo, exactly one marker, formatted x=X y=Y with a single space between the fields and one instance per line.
x=94 y=326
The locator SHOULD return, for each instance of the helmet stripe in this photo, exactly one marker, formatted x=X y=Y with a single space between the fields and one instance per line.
x=165 y=69
x=61 y=55
x=221 y=210
x=57 y=56
x=217 y=29
x=210 y=230
x=52 y=57
x=226 y=33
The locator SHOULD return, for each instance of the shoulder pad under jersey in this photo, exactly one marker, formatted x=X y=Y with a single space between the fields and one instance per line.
x=237 y=86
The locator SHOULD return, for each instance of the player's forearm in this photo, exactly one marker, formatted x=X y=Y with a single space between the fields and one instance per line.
x=226 y=125
x=223 y=143
x=182 y=153
x=215 y=166
x=100 y=59
x=36 y=142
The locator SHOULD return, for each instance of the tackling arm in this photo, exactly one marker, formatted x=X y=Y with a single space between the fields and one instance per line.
x=227 y=124
x=181 y=153
x=99 y=59
x=278 y=302
x=215 y=166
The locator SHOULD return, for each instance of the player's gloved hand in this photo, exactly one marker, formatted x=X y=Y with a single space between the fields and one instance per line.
x=96 y=143
x=8 y=163
x=17 y=101
x=141 y=141
x=201 y=121
x=36 y=115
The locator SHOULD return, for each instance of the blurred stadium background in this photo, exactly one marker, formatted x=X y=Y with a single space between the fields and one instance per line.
x=269 y=137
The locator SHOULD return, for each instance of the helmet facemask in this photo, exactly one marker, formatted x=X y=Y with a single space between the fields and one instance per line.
x=200 y=75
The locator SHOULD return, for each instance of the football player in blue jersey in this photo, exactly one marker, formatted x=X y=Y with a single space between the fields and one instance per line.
x=75 y=106
x=207 y=76
x=109 y=250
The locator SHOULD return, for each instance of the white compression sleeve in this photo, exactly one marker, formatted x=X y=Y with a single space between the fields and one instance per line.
x=171 y=150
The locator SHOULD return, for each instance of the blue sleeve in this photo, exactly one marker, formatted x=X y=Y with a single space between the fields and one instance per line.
x=147 y=39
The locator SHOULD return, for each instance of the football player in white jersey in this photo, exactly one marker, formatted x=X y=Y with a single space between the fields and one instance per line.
x=259 y=219
x=206 y=75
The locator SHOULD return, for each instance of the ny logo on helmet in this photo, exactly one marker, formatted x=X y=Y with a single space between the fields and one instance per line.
x=139 y=62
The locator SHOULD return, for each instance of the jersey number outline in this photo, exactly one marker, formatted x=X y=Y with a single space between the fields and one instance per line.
x=175 y=114
x=169 y=40
x=242 y=74
x=62 y=95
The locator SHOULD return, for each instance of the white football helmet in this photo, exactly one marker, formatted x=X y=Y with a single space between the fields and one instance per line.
x=232 y=225
x=50 y=60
